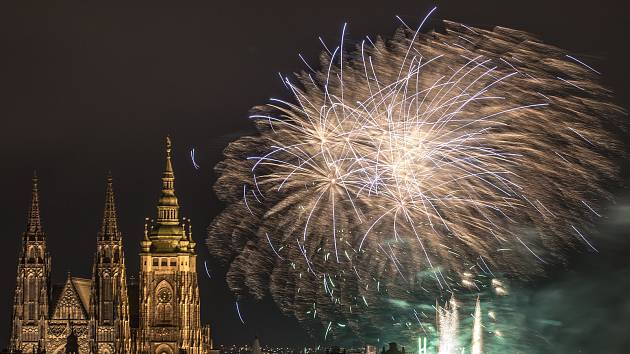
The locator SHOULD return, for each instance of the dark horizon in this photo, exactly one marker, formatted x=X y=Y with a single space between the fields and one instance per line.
x=87 y=89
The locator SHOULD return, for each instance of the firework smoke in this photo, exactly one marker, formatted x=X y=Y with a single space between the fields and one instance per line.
x=413 y=167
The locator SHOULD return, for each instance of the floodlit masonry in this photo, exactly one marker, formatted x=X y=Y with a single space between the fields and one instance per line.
x=105 y=314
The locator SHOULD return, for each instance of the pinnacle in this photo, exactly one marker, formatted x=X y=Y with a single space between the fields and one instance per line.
x=109 y=227
x=34 y=224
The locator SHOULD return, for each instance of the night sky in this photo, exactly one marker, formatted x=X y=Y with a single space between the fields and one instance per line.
x=86 y=88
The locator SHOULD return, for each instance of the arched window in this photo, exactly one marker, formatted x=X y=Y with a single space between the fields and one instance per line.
x=163 y=349
x=164 y=301
x=31 y=297
x=106 y=293
x=106 y=255
x=107 y=289
x=32 y=288
x=31 y=254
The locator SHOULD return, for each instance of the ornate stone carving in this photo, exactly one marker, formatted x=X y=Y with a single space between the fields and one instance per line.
x=97 y=310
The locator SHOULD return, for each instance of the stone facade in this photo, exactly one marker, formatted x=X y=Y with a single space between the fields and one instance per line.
x=169 y=295
x=95 y=315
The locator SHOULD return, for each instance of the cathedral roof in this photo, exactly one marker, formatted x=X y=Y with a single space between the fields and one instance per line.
x=83 y=287
x=74 y=294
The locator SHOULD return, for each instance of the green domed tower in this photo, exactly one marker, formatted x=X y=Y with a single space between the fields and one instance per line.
x=169 y=294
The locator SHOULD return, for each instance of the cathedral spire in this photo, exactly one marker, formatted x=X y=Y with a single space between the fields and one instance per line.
x=168 y=206
x=34 y=223
x=168 y=276
x=30 y=303
x=109 y=227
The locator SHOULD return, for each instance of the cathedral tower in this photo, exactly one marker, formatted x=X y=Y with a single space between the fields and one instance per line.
x=169 y=295
x=109 y=304
x=30 y=304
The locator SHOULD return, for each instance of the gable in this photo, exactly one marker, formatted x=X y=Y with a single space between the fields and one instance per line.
x=72 y=300
x=83 y=288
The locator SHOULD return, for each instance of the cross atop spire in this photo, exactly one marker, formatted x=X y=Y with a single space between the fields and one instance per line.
x=109 y=227
x=34 y=224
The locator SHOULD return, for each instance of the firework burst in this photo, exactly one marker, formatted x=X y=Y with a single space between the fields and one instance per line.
x=410 y=167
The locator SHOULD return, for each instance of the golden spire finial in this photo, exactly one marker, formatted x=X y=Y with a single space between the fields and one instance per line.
x=169 y=165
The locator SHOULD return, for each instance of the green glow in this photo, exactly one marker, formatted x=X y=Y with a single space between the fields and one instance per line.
x=422 y=345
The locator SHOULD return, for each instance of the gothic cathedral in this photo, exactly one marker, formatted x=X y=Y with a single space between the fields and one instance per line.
x=96 y=315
